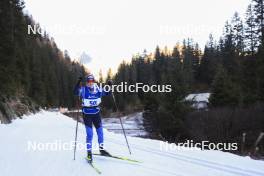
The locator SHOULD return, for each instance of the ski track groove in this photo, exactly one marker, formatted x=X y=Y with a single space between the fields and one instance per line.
x=160 y=171
x=197 y=161
x=144 y=167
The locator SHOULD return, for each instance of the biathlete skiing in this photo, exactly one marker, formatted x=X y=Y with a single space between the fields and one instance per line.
x=90 y=95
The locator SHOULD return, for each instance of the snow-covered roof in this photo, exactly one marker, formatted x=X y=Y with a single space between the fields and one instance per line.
x=198 y=97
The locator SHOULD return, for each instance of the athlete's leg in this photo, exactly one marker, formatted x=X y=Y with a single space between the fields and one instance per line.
x=89 y=131
x=99 y=129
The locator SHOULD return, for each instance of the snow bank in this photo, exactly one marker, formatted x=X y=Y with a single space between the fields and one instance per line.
x=200 y=97
x=132 y=123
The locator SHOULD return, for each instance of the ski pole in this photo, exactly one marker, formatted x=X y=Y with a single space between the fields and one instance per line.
x=124 y=132
x=76 y=129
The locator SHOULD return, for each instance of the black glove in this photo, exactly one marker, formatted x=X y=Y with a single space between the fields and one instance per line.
x=110 y=82
x=77 y=86
x=79 y=80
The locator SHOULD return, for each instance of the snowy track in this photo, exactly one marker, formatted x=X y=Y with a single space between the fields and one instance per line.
x=197 y=161
x=17 y=160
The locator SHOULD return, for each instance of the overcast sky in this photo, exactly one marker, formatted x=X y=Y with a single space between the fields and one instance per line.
x=110 y=31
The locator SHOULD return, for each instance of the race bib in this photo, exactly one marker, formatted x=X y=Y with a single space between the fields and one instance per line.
x=91 y=102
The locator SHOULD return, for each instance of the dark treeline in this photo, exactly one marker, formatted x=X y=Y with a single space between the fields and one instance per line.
x=32 y=65
x=231 y=69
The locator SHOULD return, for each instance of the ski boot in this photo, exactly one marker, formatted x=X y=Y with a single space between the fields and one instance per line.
x=89 y=157
x=104 y=152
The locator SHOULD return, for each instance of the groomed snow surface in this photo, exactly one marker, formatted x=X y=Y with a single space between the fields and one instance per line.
x=18 y=159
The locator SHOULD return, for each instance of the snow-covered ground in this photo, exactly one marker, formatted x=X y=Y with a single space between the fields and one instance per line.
x=17 y=157
x=133 y=124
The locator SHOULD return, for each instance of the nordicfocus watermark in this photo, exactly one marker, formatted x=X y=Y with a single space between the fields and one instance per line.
x=57 y=145
x=137 y=87
x=68 y=30
x=185 y=29
x=191 y=145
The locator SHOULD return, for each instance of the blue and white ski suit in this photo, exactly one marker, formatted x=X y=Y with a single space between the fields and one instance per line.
x=91 y=99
